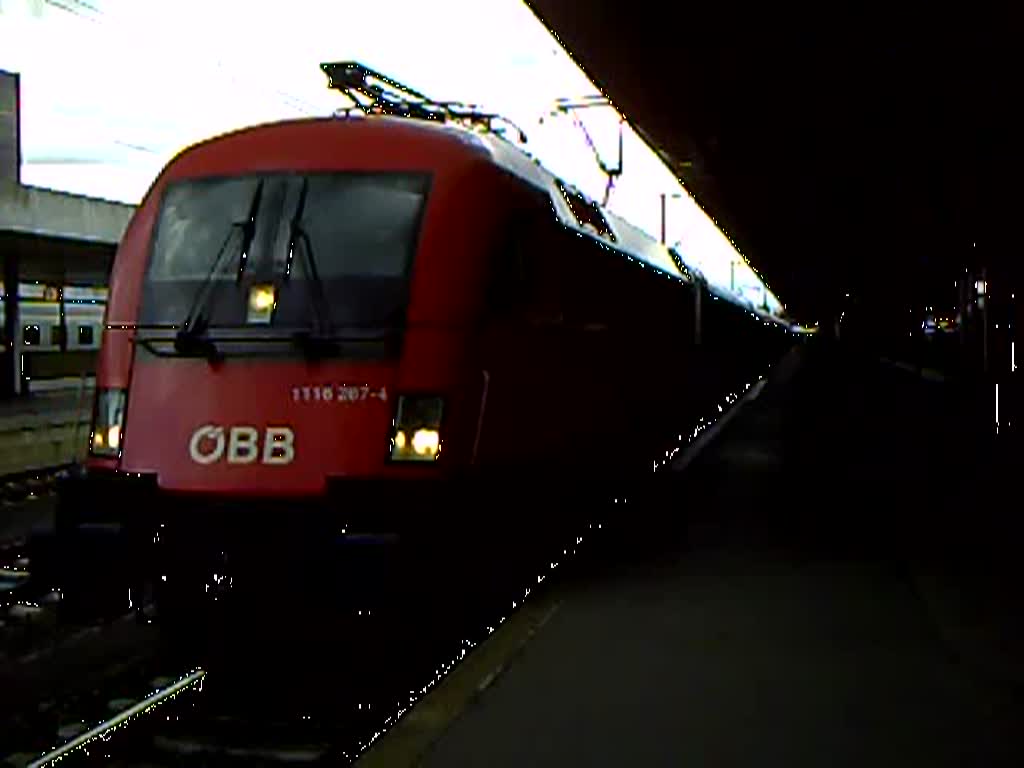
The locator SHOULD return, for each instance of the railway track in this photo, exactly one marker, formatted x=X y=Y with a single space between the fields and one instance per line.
x=77 y=727
x=112 y=693
x=31 y=597
x=253 y=709
x=28 y=611
x=31 y=484
x=266 y=694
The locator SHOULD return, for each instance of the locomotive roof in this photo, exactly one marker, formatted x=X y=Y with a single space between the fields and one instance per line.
x=631 y=240
x=624 y=237
x=628 y=239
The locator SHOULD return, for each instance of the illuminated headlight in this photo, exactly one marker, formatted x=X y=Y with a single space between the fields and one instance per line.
x=416 y=435
x=261 y=304
x=108 y=423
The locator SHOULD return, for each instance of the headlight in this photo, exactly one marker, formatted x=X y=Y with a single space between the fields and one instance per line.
x=108 y=423
x=262 y=299
x=416 y=434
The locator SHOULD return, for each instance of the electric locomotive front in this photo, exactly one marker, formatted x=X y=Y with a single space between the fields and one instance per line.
x=285 y=347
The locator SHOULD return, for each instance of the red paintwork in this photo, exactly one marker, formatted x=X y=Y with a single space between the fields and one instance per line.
x=322 y=145
x=331 y=438
x=561 y=391
x=115 y=358
x=169 y=398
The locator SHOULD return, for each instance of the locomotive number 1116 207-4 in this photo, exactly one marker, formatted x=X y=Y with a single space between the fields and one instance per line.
x=340 y=393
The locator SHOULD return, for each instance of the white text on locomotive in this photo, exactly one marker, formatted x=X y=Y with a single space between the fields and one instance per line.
x=241 y=445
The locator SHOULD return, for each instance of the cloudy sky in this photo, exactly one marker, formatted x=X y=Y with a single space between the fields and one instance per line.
x=112 y=89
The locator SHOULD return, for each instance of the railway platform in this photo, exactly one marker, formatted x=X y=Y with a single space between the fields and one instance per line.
x=44 y=429
x=831 y=582
x=38 y=434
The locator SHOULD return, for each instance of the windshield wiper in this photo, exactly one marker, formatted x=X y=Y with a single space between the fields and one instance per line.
x=319 y=342
x=189 y=340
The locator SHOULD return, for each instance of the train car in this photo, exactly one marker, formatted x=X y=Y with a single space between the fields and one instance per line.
x=59 y=330
x=327 y=329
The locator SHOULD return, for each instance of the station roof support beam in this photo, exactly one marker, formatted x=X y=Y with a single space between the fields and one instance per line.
x=41 y=212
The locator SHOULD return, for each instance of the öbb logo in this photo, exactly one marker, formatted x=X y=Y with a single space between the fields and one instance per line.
x=241 y=445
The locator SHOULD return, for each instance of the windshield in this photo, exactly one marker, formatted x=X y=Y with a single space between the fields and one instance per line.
x=363 y=229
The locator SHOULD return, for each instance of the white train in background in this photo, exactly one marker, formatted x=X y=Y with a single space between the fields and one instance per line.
x=58 y=332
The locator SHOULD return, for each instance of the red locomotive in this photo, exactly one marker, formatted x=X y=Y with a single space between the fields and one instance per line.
x=385 y=325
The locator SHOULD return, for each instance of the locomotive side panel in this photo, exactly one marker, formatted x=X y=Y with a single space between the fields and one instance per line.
x=584 y=349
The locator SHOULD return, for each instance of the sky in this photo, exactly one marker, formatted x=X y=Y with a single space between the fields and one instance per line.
x=113 y=89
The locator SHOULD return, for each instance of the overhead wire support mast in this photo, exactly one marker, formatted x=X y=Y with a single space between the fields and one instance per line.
x=571 y=107
x=376 y=94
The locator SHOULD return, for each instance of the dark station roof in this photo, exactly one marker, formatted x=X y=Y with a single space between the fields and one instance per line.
x=842 y=154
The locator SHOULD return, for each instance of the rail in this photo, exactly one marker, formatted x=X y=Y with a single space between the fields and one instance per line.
x=18 y=486
x=122 y=717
